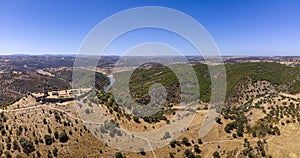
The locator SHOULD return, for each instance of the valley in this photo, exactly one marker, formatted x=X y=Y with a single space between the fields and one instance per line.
x=260 y=116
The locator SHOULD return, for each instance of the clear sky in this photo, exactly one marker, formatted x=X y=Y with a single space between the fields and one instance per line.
x=239 y=27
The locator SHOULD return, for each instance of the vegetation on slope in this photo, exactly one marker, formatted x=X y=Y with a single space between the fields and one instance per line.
x=277 y=74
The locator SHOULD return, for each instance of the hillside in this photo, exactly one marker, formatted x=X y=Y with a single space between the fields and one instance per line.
x=16 y=85
x=282 y=77
x=261 y=118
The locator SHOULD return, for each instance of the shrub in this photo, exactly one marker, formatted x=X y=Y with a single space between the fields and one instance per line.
x=136 y=119
x=63 y=137
x=216 y=154
x=27 y=145
x=56 y=135
x=142 y=151
x=16 y=145
x=188 y=154
x=197 y=149
x=38 y=154
x=49 y=130
x=48 y=139
x=185 y=141
x=218 y=120
x=234 y=135
x=54 y=151
x=200 y=141
x=119 y=155
x=7 y=154
x=173 y=143
x=171 y=155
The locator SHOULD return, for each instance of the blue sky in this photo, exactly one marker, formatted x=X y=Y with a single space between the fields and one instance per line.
x=239 y=27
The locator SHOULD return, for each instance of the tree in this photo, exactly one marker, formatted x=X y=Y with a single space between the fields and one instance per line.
x=234 y=135
x=185 y=141
x=38 y=154
x=44 y=121
x=200 y=141
x=228 y=128
x=173 y=143
x=3 y=132
x=7 y=154
x=63 y=137
x=18 y=156
x=218 y=120
x=54 y=151
x=49 y=130
x=48 y=139
x=197 y=149
x=240 y=133
x=142 y=151
x=16 y=145
x=216 y=154
x=136 y=119
x=56 y=135
x=27 y=145
x=49 y=155
x=119 y=155
x=254 y=133
x=171 y=155
x=188 y=153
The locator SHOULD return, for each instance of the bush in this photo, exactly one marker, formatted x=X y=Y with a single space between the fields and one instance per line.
x=253 y=133
x=171 y=155
x=119 y=155
x=200 y=141
x=44 y=121
x=218 y=120
x=216 y=154
x=27 y=145
x=49 y=130
x=188 y=154
x=136 y=119
x=7 y=154
x=197 y=149
x=63 y=137
x=48 y=139
x=56 y=135
x=54 y=151
x=49 y=155
x=185 y=141
x=18 y=156
x=142 y=152
x=173 y=143
x=228 y=128
x=38 y=154
x=234 y=135
x=16 y=145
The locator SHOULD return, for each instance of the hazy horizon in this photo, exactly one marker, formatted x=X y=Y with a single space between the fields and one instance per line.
x=251 y=28
x=116 y=55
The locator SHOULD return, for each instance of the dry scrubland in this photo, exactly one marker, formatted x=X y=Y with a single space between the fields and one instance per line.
x=43 y=125
x=261 y=118
x=40 y=123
